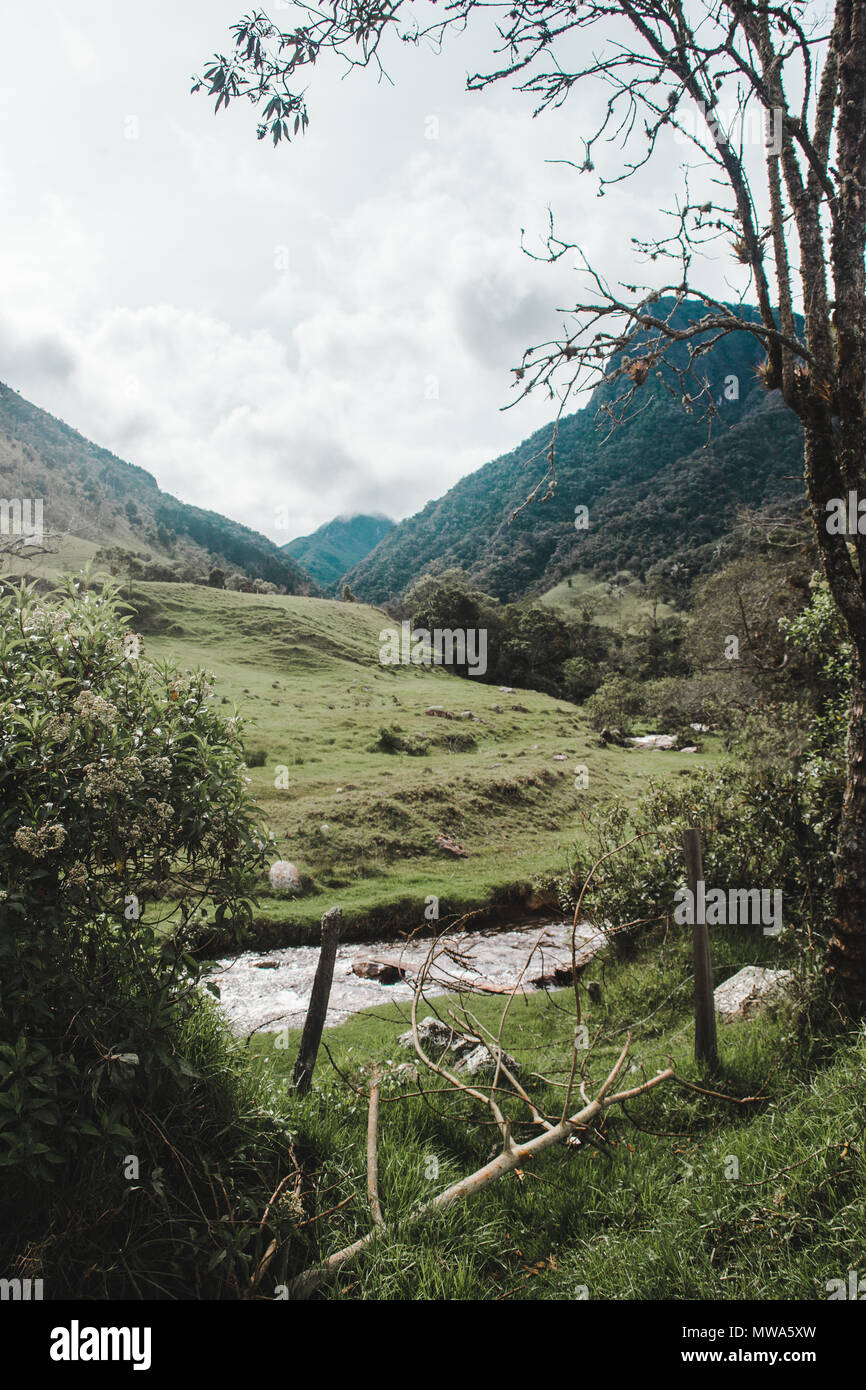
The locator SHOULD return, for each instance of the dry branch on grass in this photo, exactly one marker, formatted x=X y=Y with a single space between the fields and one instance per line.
x=513 y=1154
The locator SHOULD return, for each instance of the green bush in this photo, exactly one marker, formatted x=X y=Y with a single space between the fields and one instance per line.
x=124 y=810
x=773 y=830
x=614 y=705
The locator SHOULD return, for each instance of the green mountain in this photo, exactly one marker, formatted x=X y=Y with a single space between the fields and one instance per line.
x=657 y=491
x=94 y=499
x=338 y=545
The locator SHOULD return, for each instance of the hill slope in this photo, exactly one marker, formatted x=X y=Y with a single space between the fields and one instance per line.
x=360 y=816
x=337 y=546
x=655 y=490
x=96 y=498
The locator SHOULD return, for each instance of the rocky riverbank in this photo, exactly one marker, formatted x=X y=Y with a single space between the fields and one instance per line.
x=266 y=992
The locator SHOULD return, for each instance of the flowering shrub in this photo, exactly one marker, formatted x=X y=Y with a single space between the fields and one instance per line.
x=123 y=811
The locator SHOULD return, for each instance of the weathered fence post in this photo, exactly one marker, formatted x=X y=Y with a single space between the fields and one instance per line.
x=706 y=1045
x=317 y=1009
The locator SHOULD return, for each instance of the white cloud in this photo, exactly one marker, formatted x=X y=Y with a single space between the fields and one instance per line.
x=323 y=329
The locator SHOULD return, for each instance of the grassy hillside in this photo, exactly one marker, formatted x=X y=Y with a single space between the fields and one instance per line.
x=620 y=604
x=359 y=822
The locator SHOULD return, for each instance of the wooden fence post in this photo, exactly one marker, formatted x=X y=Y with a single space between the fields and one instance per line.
x=706 y=1045
x=317 y=1009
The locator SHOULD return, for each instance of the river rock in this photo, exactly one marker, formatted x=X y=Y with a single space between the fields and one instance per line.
x=747 y=992
x=388 y=971
x=556 y=978
x=666 y=742
x=481 y=1062
x=433 y=1031
x=469 y=1056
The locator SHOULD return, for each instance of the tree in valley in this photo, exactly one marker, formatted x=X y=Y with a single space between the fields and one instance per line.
x=792 y=215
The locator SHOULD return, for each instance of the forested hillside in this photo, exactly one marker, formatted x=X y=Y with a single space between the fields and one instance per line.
x=338 y=546
x=89 y=493
x=655 y=488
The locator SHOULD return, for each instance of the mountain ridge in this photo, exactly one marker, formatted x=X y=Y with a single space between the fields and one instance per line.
x=336 y=546
x=92 y=494
x=656 y=489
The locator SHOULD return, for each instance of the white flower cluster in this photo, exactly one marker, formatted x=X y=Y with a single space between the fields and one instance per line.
x=88 y=705
x=40 y=842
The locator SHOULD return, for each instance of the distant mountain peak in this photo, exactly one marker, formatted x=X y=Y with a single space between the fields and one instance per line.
x=655 y=489
x=339 y=545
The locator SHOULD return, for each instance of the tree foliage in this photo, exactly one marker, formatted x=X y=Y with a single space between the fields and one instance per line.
x=125 y=820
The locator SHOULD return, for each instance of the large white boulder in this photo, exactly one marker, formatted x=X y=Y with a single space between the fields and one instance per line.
x=284 y=877
x=663 y=741
x=747 y=992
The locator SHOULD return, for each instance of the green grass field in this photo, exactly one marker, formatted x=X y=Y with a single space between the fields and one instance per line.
x=71 y=555
x=621 y=606
x=690 y=1196
x=361 y=823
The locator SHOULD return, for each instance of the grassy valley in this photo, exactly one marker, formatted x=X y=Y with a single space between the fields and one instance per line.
x=360 y=822
x=387 y=786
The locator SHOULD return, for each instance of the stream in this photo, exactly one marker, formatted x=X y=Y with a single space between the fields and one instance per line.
x=268 y=991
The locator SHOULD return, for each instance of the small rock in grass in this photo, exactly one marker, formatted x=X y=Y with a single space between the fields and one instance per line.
x=481 y=1062
x=430 y=1030
x=473 y=1056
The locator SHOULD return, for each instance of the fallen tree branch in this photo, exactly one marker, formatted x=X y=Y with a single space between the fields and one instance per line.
x=512 y=1156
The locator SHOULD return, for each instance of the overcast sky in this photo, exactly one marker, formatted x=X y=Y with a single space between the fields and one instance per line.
x=323 y=328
